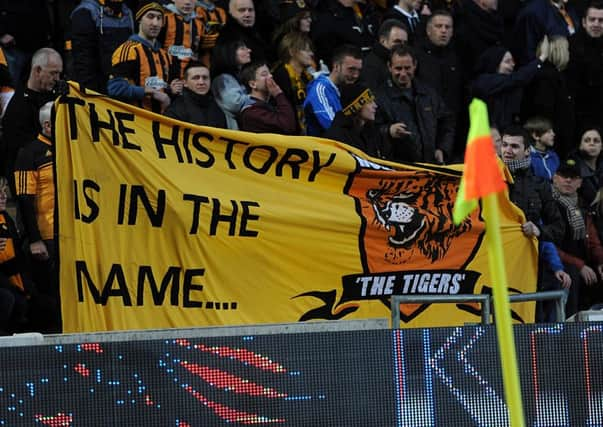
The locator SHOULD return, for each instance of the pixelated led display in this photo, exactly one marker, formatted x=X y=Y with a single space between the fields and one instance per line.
x=408 y=377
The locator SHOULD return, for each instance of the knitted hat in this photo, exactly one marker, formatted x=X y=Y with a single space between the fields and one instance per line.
x=290 y=8
x=353 y=97
x=490 y=59
x=569 y=169
x=147 y=7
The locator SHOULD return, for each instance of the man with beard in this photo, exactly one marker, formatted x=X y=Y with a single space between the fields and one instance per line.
x=323 y=98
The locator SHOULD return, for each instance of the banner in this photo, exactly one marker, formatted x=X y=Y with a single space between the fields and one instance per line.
x=164 y=224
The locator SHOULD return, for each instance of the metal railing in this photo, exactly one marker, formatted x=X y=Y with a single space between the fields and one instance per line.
x=483 y=299
x=558 y=296
x=396 y=300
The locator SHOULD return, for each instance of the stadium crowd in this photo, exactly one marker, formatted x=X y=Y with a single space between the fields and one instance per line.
x=392 y=78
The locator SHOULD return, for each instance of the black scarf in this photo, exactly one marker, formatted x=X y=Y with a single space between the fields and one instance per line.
x=572 y=213
x=517 y=165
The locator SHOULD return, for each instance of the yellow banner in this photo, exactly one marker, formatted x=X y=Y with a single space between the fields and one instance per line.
x=164 y=224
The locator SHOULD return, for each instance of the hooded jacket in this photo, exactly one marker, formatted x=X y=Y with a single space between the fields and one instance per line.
x=94 y=36
x=501 y=92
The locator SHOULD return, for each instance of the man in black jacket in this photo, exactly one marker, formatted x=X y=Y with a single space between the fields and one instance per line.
x=478 y=26
x=392 y=33
x=441 y=69
x=532 y=194
x=340 y=22
x=585 y=69
x=20 y=122
x=196 y=104
x=413 y=114
x=241 y=25
x=98 y=27
x=411 y=14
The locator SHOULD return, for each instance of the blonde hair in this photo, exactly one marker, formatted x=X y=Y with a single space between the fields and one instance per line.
x=291 y=43
x=558 y=52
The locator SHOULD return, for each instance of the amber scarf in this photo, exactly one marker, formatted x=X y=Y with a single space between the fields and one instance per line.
x=298 y=84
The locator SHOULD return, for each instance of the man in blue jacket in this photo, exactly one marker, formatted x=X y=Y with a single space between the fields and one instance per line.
x=323 y=98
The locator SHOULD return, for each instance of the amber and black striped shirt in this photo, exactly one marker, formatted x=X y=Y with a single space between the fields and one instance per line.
x=142 y=65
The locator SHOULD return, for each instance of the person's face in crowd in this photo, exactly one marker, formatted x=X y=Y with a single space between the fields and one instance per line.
x=507 y=65
x=305 y=56
x=497 y=140
x=48 y=76
x=348 y=70
x=547 y=139
x=305 y=22
x=185 y=6
x=593 y=22
x=367 y=112
x=243 y=12
x=567 y=185
x=261 y=75
x=439 y=30
x=197 y=79
x=590 y=143
x=513 y=148
x=397 y=37
x=243 y=55
x=150 y=25
x=402 y=70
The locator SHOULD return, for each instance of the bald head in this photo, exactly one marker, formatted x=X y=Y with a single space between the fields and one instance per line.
x=46 y=69
x=242 y=11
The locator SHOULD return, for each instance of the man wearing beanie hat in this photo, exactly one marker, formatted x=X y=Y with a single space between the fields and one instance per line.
x=354 y=124
x=98 y=27
x=140 y=67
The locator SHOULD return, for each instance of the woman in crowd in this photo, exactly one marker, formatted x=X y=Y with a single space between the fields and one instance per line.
x=296 y=17
x=354 y=124
x=500 y=86
x=227 y=61
x=588 y=158
x=296 y=55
